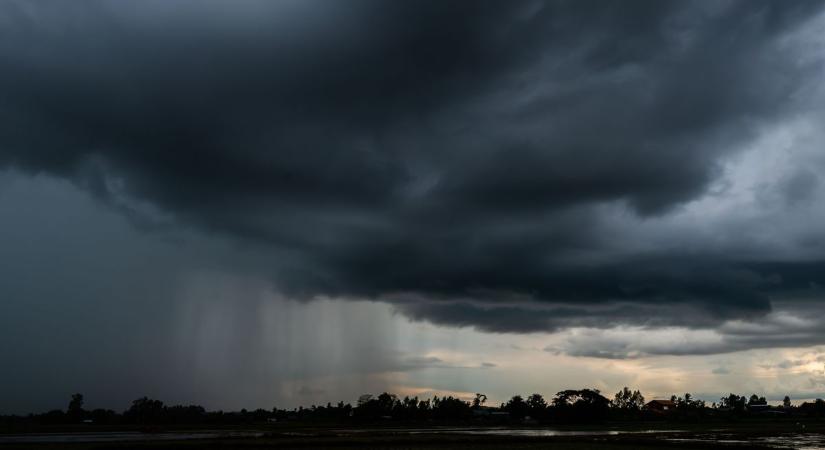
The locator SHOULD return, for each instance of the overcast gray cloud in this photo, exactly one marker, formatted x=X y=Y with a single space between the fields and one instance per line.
x=522 y=166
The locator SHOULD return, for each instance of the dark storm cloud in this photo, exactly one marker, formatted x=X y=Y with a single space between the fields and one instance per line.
x=652 y=293
x=793 y=324
x=450 y=152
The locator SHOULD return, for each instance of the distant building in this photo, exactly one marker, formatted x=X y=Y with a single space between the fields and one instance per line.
x=660 y=406
x=758 y=407
x=491 y=412
x=813 y=408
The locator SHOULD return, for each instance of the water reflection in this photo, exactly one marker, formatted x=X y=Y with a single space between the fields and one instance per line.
x=798 y=441
x=801 y=441
x=503 y=431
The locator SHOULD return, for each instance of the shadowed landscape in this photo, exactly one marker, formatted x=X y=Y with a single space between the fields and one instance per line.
x=572 y=419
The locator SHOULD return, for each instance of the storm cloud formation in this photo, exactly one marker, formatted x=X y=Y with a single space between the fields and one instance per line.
x=514 y=166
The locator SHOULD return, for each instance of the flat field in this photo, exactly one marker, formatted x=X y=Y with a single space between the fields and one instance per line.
x=780 y=435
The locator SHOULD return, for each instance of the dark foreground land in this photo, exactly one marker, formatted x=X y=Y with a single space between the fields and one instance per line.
x=782 y=435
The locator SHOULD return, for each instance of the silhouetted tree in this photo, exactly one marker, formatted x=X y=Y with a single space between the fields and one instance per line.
x=756 y=400
x=517 y=407
x=450 y=409
x=733 y=402
x=180 y=414
x=75 y=409
x=407 y=409
x=387 y=401
x=536 y=406
x=145 y=410
x=628 y=400
x=76 y=403
x=689 y=409
x=628 y=404
x=585 y=405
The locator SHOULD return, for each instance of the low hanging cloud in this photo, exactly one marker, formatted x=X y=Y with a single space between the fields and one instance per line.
x=464 y=161
x=796 y=325
x=432 y=362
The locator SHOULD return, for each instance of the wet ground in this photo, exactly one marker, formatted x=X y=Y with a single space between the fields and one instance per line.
x=455 y=437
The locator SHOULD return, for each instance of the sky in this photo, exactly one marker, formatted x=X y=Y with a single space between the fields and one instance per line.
x=277 y=203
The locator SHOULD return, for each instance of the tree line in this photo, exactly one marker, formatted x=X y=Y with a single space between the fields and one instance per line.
x=567 y=406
